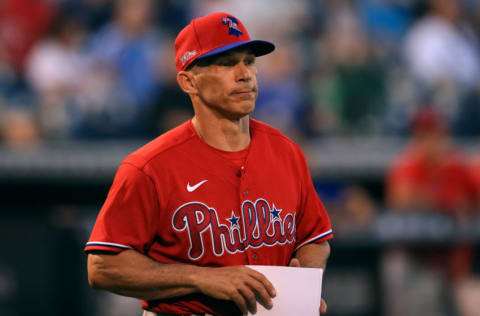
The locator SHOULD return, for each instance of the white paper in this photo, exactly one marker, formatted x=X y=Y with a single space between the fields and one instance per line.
x=299 y=291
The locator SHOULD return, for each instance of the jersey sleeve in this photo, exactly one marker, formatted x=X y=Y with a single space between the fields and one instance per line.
x=313 y=223
x=126 y=220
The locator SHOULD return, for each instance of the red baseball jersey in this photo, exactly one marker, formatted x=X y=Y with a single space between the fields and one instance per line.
x=448 y=184
x=177 y=199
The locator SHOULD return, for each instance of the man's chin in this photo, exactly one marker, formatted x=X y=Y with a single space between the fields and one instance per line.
x=240 y=110
x=249 y=107
x=239 y=115
x=247 y=111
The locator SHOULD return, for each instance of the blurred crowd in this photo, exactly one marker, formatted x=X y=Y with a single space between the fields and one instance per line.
x=97 y=69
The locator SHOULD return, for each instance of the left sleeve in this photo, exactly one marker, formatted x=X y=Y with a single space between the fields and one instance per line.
x=313 y=223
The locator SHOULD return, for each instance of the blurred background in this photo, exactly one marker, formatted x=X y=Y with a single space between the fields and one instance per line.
x=382 y=95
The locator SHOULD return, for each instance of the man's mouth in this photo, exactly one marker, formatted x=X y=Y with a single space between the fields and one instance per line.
x=244 y=92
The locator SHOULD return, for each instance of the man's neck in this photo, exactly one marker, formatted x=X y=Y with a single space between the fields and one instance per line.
x=223 y=133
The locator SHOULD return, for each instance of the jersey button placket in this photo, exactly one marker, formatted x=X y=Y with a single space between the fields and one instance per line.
x=243 y=192
x=242 y=183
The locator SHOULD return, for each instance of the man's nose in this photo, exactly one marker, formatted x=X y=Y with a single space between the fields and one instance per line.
x=243 y=72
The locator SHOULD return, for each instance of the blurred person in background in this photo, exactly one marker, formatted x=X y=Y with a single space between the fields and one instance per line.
x=55 y=69
x=347 y=86
x=125 y=74
x=18 y=128
x=386 y=23
x=442 y=54
x=171 y=107
x=18 y=123
x=429 y=175
x=442 y=46
x=283 y=98
x=475 y=171
x=22 y=23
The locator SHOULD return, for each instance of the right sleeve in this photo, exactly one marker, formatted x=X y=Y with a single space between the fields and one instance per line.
x=129 y=215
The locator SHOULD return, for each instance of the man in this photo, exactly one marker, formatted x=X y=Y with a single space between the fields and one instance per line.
x=189 y=210
x=430 y=175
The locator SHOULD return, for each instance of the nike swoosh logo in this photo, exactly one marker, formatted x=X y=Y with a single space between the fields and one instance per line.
x=194 y=187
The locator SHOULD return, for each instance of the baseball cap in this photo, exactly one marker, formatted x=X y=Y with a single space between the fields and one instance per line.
x=214 y=34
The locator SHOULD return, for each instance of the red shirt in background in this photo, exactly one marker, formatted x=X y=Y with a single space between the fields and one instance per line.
x=22 y=23
x=475 y=172
x=445 y=184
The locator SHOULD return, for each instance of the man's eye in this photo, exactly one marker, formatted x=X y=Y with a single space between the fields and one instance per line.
x=250 y=61
x=227 y=63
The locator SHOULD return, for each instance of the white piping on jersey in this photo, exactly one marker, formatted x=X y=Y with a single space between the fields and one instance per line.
x=314 y=238
x=111 y=244
x=194 y=187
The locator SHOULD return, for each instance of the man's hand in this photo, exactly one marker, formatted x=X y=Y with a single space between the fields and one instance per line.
x=239 y=284
x=294 y=262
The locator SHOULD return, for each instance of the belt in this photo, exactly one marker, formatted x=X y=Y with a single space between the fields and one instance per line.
x=149 y=313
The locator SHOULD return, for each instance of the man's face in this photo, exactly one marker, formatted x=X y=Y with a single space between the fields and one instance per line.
x=228 y=84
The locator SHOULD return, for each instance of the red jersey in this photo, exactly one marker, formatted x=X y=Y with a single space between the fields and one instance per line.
x=177 y=199
x=447 y=184
x=475 y=170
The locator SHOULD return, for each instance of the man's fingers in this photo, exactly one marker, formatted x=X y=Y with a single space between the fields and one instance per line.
x=266 y=283
x=323 y=307
x=243 y=285
x=250 y=299
x=294 y=263
x=239 y=300
x=262 y=294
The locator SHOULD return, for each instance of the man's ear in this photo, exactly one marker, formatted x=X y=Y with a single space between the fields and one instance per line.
x=186 y=82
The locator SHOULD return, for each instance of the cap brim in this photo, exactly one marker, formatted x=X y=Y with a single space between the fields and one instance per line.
x=259 y=48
